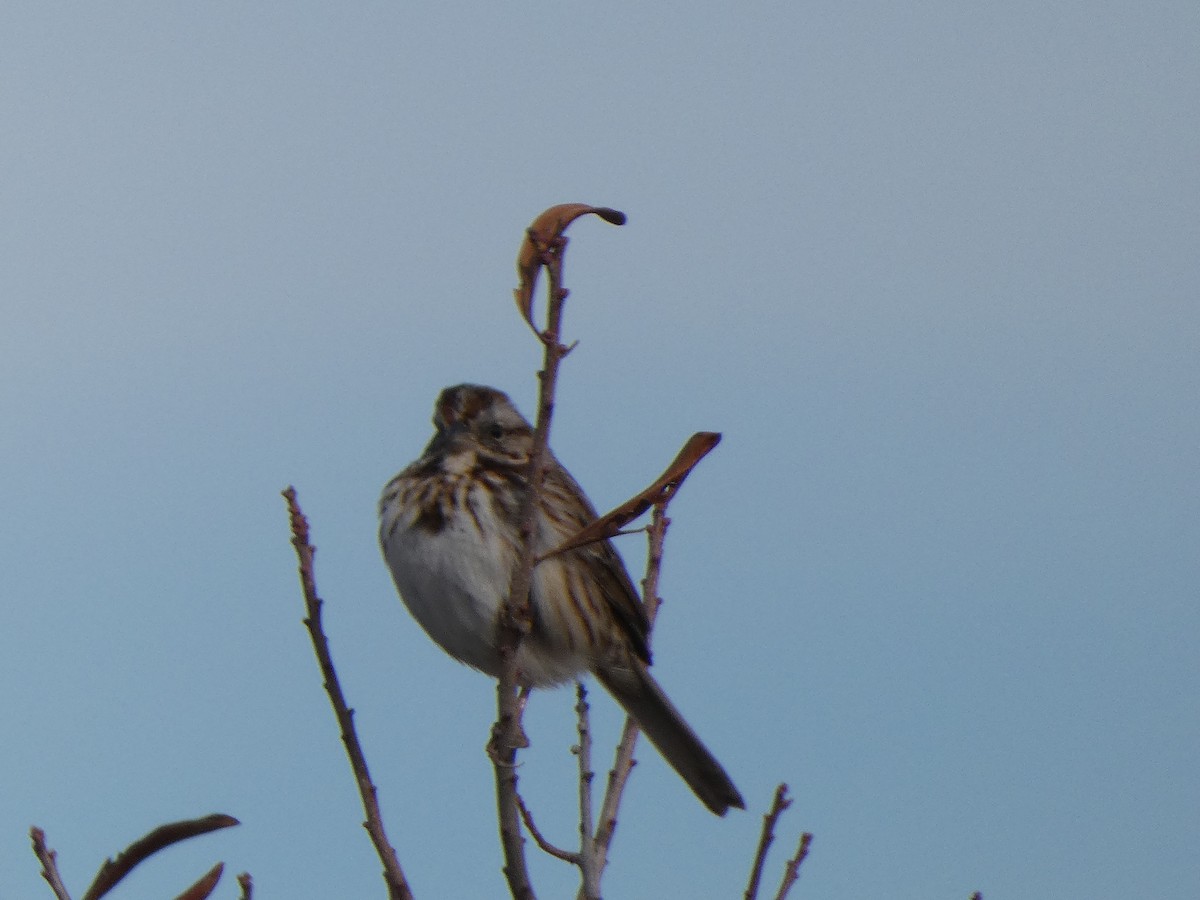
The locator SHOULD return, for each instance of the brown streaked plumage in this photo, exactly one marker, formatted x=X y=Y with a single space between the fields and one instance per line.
x=449 y=532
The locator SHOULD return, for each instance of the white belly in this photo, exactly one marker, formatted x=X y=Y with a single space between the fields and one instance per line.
x=453 y=587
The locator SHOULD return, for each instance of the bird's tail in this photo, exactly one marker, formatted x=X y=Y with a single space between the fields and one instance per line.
x=635 y=689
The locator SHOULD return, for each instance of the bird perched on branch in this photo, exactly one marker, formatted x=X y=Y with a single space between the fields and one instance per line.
x=450 y=532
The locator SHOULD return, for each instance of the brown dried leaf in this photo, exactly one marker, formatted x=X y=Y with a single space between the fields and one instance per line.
x=205 y=886
x=113 y=870
x=546 y=229
x=661 y=491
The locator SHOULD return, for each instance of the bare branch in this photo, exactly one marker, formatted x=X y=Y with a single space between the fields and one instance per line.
x=588 y=869
x=618 y=776
x=247 y=885
x=49 y=860
x=544 y=246
x=623 y=762
x=113 y=870
x=792 y=870
x=656 y=536
x=544 y=845
x=393 y=875
x=780 y=803
x=515 y=616
x=205 y=886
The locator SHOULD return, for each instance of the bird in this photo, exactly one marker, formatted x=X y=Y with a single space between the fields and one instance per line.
x=449 y=530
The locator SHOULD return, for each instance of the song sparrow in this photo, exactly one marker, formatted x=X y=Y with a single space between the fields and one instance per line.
x=449 y=531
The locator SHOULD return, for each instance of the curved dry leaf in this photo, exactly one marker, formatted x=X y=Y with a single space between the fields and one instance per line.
x=113 y=870
x=546 y=229
x=662 y=490
x=205 y=886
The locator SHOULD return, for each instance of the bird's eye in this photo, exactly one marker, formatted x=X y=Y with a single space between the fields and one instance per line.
x=495 y=431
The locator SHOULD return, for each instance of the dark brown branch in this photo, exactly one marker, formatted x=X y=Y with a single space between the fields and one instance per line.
x=113 y=870
x=766 y=837
x=792 y=870
x=393 y=875
x=203 y=888
x=544 y=845
x=49 y=860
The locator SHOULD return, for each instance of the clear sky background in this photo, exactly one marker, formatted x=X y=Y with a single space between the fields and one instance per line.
x=933 y=269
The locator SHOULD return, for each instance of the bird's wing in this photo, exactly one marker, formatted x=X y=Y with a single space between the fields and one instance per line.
x=567 y=509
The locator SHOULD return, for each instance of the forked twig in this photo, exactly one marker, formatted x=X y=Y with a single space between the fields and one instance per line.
x=393 y=875
x=623 y=761
x=658 y=495
x=594 y=850
x=766 y=838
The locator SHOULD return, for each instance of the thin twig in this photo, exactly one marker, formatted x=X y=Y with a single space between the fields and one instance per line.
x=113 y=870
x=247 y=885
x=544 y=845
x=656 y=535
x=618 y=776
x=624 y=761
x=49 y=860
x=584 y=755
x=590 y=886
x=658 y=495
x=393 y=875
x=766 y=837
x=791 y=871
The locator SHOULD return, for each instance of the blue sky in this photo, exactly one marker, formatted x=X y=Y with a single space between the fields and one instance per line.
x=931 y=270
